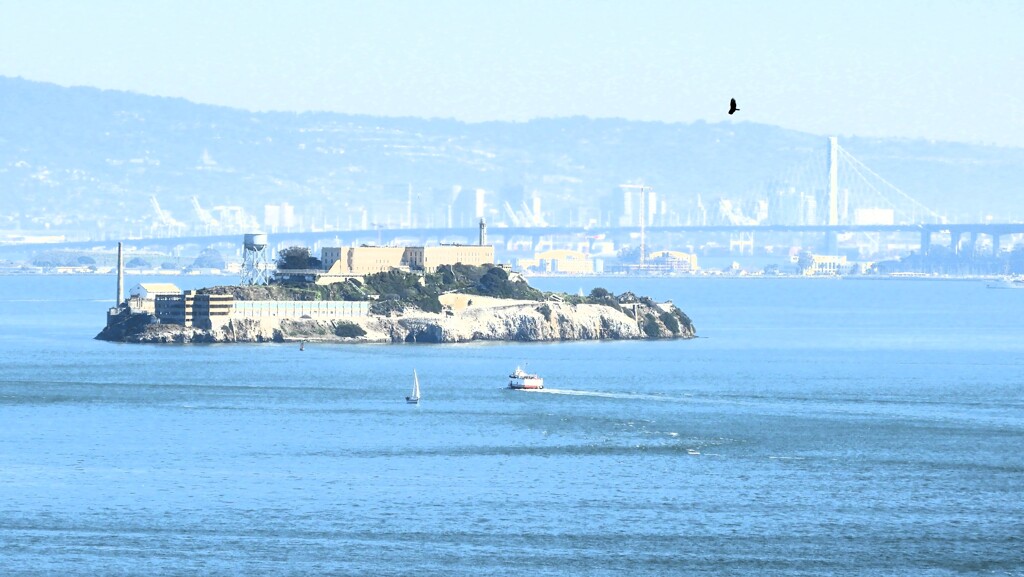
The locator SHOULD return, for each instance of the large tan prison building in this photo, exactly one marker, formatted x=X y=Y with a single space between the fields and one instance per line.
x=361 y=260
x=213 y=311
x=364 y=260
x=190 y=309
x=431 y=258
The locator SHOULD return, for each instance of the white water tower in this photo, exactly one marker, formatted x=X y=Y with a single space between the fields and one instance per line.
x=255 y=260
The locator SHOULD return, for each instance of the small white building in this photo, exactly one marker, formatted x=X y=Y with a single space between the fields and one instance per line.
x=826 y=265
x=150 y=290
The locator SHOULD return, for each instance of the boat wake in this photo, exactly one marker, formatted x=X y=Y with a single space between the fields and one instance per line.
x=579 y=393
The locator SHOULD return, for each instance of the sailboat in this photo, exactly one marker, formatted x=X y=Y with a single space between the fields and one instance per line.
x=414 y=398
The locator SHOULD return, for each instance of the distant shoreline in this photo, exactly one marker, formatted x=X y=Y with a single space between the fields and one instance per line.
x=915 y=277
x=912 y=276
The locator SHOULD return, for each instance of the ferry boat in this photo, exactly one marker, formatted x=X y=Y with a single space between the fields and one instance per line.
x=520 y=379
x=1008 y=282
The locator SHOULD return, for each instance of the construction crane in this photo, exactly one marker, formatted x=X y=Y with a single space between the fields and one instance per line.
x=532 y=217
x=512 y=216
x=164 y=220
x=234 y=218
x=204 y=216
x=732 y=215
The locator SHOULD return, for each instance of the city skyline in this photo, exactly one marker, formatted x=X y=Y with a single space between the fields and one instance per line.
x=95 y=162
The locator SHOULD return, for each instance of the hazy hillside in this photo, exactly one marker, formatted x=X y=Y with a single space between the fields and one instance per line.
x=77 y=156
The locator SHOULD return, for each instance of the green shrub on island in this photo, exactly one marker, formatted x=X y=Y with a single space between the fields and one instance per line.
x=395 y=292
x=670 y=321
x=683 y=319
x=399 y=289
x=495 y=283
x=486 y=280
x=601 y=296
x=651 y=326
x=350 y=290
x=389 y=304
x=423 y=291
x=297 y=258
x=346 y=329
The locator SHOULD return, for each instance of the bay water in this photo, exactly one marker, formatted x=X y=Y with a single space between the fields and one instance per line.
x=817 y=427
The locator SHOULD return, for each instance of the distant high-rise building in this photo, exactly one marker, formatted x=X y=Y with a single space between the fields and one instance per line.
x=272 y=217
x=279 y=217
x=535 y=208
x=809 y=210
x=631 y=203
x=468 y=207
x=761 y=212
x=288 y=220
x=626 y=215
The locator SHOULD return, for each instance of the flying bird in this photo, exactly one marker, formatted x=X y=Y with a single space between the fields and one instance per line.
x=732 y=105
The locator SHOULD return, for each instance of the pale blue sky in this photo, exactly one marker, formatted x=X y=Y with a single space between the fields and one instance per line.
x=930 y=69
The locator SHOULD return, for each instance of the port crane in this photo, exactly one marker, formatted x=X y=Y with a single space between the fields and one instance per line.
x=209 y=223
x=523 y=217
x=513 y=218
x=164 y=220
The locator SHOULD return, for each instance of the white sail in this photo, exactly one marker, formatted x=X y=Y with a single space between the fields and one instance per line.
x=415 y=396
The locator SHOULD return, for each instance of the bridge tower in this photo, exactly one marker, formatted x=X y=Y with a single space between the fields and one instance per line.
x=833 y=181
x=255 y=260
x=644 y=191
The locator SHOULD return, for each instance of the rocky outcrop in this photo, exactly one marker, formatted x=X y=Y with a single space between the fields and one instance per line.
x=520 y=322
x=514 y=321
x=234 y=331
x=123 y=324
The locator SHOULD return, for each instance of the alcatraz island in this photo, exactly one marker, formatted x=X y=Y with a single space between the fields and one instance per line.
x=433 y=294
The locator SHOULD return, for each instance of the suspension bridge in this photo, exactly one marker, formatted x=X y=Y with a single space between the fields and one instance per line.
x=836 y=193
x=838 y=189
x=828 y=193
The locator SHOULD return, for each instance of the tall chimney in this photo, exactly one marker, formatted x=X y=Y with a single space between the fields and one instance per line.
x=120 y=276
x=483 y=232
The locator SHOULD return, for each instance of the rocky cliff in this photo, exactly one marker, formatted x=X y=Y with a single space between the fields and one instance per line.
x=499 y=321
